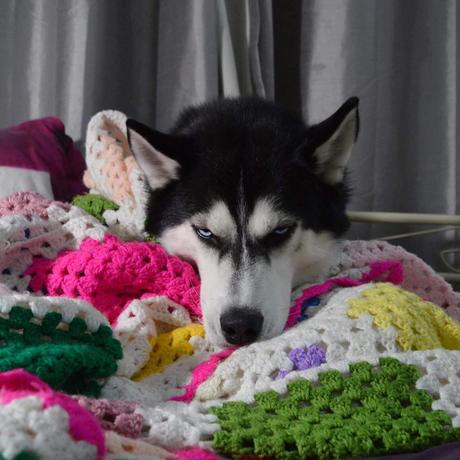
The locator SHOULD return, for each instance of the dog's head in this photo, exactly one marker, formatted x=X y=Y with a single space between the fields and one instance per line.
x=255 y=198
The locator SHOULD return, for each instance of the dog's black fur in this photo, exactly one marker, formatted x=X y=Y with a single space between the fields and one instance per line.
x=250 y=141
x=252 y=196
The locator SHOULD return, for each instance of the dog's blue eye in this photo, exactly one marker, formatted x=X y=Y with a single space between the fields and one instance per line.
x=281 y=230
x=204 y=233
x=277 y=236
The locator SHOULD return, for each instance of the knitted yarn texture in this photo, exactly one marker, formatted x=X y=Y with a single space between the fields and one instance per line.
x=26 y=204
x=381 y=353
x=95 y=205
x=112 y=172
x=343 y=334
x=370 y=412
x=64 y=351
x=110 y=274
x=421 y=324
x=118 y=416
x=30 y=431
x=419 y=278
x=25 y=234
x=168 y=348
x=82 y=426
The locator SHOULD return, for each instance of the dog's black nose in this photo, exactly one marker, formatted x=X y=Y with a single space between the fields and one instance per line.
x=241 y=325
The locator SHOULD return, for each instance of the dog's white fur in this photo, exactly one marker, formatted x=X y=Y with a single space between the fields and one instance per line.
x=261 y=285
x=265 y=286
x=159 y=169
x=334 y=154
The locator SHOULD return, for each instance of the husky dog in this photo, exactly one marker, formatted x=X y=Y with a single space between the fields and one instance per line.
x=254 y=198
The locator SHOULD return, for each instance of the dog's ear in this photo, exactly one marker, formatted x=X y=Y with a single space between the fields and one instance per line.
x=160 y=156
x=330 y=142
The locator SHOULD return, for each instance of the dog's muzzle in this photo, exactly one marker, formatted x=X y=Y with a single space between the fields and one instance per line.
x=241 y=325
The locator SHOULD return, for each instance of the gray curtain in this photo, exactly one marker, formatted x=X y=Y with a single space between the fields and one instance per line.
x=150 y=59
x=400 y=57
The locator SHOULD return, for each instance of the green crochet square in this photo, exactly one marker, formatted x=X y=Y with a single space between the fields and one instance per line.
x=66 y=356
x=24 y=455
x=152 y=239
x=371 y=411
x=95 y=205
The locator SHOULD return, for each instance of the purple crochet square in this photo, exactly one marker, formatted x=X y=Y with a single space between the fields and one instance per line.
x=282 y=374
x=302 y=358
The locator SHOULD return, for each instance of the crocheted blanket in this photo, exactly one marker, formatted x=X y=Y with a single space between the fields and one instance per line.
x=103 y=355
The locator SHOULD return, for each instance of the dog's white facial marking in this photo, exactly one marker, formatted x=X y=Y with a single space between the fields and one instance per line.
x=181 y=241
x=313 y=257
x=260 y=282
x=218 y=220
x=265 y=218
x=216 y=275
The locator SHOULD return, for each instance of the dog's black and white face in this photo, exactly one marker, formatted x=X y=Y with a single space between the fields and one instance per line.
x=254 y=198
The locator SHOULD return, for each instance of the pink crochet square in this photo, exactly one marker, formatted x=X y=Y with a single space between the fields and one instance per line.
x=195 y=453
x=83 y=426
x=113 y=415
x=26 y=204
x=111 y=273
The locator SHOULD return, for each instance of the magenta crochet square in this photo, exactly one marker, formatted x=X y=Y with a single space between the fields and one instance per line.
x=111 y=273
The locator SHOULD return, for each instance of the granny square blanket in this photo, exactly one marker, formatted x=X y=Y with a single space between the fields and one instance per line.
x=103 y=354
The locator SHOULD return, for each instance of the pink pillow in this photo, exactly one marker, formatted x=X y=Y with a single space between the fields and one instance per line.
x=40 y=151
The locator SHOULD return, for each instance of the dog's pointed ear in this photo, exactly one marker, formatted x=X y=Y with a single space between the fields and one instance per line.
x=159 y=155
x=330 y=142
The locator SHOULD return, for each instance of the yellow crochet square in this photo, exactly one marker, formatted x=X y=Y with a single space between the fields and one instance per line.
x=168 y=347
x=422 y=325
